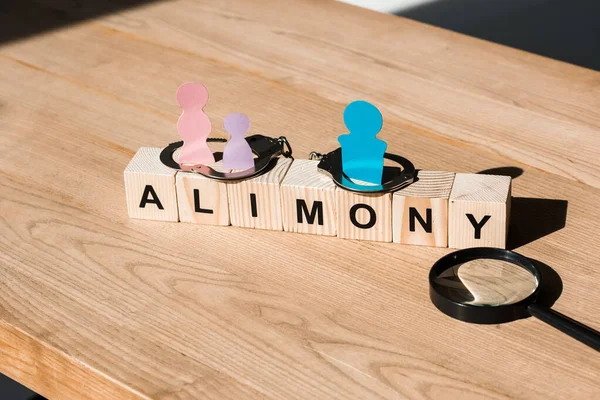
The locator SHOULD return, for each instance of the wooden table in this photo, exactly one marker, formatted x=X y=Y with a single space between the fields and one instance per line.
x=95 y=305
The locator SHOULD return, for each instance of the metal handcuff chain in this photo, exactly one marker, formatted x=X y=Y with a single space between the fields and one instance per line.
x=331 y=164
x=265 y=148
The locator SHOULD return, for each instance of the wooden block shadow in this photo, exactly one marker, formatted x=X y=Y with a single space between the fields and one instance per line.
x=532 y=219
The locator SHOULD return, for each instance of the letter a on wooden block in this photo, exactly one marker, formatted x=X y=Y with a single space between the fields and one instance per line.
x=479 y=211
x=420 y=211
x=308 y=200
x=150 y=187
x=256 y=202
x=201 y=200
x=364 y=216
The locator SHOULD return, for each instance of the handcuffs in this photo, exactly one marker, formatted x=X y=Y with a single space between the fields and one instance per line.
x=267 y=149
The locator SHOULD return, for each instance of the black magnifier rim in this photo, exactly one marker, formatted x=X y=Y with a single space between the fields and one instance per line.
x=482 y=314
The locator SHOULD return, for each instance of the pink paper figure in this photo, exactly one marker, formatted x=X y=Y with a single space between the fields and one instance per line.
x=237 y=153
x=193 y=125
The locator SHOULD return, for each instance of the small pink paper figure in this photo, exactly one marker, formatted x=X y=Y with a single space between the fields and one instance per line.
x=237 y=153
x=193 y=125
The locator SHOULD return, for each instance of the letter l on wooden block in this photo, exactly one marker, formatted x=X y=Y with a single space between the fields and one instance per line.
x=256 y=202
x=308 y=200
x=201 y=200
x=150 y=187
x=479 y=211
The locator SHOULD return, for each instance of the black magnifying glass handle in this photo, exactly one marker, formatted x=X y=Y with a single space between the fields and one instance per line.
x=576 y=330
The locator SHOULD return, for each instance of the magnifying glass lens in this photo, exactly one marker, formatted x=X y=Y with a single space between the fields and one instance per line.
x=486 y=283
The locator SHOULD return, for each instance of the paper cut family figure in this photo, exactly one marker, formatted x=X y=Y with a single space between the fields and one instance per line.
x=237 y=153
x=362 y=152
x=194 y=127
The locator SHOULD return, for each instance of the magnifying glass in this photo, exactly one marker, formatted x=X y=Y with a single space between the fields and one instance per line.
x=491 y=286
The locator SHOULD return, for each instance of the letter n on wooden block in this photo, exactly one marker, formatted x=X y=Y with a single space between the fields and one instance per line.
x=364 y=216
x=308 y=200
x=256 y=202
x=202 y=200
x=420 y=211
x=479 y=211
x=150 y=187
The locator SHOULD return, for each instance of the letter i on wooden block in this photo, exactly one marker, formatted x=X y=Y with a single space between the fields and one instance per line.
x=256 y=202
x=308 y=200
x=202 y=200
x=420 y=211
x=479 y=211
x=364 y=216
x=150 y=187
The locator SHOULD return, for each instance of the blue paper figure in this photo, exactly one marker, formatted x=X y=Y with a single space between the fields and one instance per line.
x=362 y=152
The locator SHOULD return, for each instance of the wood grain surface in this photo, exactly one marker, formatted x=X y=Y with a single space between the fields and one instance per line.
x=97 y=305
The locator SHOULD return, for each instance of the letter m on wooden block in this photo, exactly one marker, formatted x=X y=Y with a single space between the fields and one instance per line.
x=308 y=200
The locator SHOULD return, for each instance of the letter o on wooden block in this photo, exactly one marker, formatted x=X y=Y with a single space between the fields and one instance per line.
x=479 y=211
x=308 y=200
x=256 y=202
x=364 y=216
x=150 y=187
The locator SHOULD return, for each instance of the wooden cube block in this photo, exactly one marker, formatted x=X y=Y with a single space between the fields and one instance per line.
x=256 y=202
x=420 y=211
x=364 y=216
x=479 y=211
x=150 y=187
x=308 y=200
x=202 y=200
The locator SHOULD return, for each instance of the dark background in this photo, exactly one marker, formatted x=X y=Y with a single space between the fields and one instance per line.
x=566 y=30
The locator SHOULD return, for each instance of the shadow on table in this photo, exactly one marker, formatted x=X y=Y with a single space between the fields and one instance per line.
x=23 y=18
x=565 y=30
x=513 y=172
x=530 y=218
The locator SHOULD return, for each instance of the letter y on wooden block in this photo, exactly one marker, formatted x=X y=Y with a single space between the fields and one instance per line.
x=150 y=187
x=256 y=202
x=202 y=200
x=364 y=216
x=308 y=200
x=420 y=211
x=479 y=211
